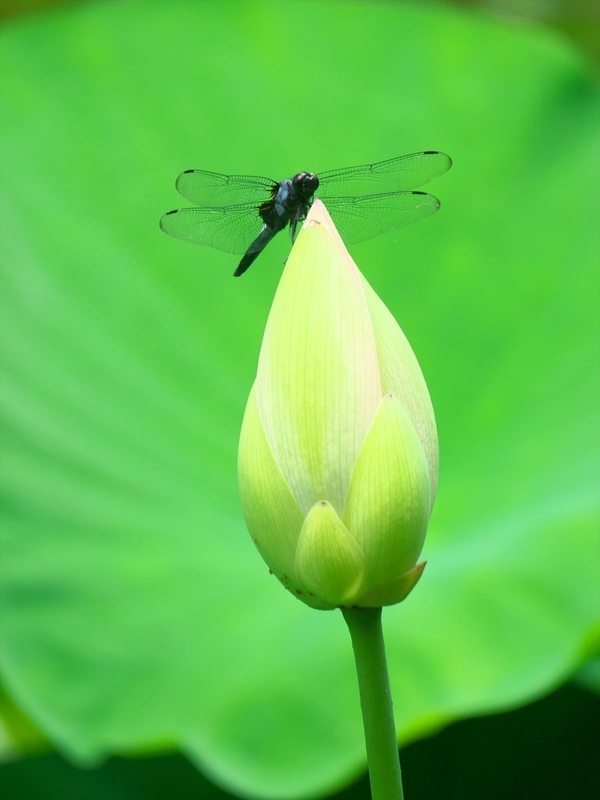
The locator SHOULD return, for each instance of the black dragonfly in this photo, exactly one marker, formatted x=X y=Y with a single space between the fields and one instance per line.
x=240 y=214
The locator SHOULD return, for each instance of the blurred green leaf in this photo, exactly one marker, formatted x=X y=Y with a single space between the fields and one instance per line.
x=529 y=752
x=136 y=610
x=18 y=735
x=589 y=675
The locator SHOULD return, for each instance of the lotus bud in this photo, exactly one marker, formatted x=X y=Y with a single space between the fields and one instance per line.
x=338 y=458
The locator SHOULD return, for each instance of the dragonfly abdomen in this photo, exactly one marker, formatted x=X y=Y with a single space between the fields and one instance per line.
x=256 y=248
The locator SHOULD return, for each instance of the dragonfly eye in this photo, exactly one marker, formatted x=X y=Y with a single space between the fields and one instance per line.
x=306 y=183
x=311 y=183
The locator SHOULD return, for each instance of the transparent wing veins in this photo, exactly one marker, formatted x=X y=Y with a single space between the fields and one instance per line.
x=205 y=188
x=395 y=174
x=231 y=229
x=360 y=218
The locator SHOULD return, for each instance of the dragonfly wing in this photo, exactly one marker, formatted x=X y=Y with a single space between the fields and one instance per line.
x=213 y=189
x=360 y=218
x=231 y=229
x=405 y=172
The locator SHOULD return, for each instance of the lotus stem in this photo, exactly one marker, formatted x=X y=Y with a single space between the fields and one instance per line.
x=366 y=633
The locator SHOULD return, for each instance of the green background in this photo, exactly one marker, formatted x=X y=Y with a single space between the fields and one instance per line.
x=136 y=613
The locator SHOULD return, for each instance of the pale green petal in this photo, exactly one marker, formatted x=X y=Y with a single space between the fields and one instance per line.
x=393 y=592
x=318 y=384
x=388 y=502
x=272 y=515
x=401 y=376
x=329 y=562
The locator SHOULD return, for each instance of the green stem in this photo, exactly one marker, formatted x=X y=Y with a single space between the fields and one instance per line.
x=376 y=702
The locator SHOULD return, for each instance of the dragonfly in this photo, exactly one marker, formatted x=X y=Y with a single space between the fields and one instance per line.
x=241 y=214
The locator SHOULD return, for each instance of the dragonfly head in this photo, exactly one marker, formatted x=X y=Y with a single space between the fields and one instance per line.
x=305 y=184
